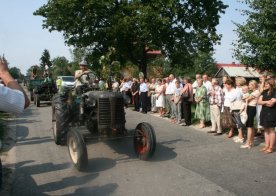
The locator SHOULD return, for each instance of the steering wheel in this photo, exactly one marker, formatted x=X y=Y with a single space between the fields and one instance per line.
x=87 y=78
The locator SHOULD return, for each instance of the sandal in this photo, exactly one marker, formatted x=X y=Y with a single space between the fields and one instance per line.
x=264 y=149
x=269 y=150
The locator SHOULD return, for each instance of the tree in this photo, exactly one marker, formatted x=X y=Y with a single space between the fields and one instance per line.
x=256 y=43
x=15 y=72
x=180 y=28
x=60 y=67
x=45 y=59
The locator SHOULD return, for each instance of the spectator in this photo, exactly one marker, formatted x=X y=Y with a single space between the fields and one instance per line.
x=159 y=94
x=202 y=111
x=135 y=94
x=148 y=95
x=152 y=87
x=262 y=79
x=195 y=84
x=187 y=102
x=177 y=102
x=101 y=84
x=207 y=84
x=215 y=101
x=13 y=98
x=169 y=93
x=224 y=78
x=124 y=88
x=143 y=91
x=240 y=81
x=268 y=113
x=251 y=100
x=231 y=95
x=115 y=85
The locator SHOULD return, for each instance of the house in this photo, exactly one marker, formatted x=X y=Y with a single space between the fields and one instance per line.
x=233 y=70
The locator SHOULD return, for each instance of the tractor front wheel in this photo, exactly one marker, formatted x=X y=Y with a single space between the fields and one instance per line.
x=144 y=141
x=77 y=149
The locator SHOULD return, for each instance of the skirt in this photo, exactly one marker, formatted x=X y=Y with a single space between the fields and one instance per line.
x=251 y=113
x=160 y=102
x=227 y=120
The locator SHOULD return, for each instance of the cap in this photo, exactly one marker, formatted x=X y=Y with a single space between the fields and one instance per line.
x=83 y=63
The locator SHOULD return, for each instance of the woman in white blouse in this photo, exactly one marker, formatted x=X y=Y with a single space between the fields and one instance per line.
x=231 y=95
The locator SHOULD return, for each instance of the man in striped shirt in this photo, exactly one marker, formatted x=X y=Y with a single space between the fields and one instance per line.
x=13 y=98
x=215 y=101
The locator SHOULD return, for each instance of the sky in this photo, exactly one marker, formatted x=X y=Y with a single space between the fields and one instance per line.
x=22 y=38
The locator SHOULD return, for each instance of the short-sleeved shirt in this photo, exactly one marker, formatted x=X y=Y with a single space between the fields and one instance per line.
x=144 y=87
x=82 y=79
x=231 y=96
x=11 y=101
x=255 y=94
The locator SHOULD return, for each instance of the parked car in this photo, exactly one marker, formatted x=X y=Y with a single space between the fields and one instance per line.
x=67 y=81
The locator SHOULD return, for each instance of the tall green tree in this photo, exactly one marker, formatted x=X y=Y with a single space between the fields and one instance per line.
x=15 y=72
x=180 y=28
x=256 y=43
x=60 y=67
x=45 y=59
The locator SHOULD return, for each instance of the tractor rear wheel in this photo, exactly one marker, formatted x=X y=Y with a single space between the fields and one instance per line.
x=60 y=119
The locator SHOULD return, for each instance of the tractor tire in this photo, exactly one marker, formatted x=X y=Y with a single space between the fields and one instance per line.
x=77 y=149
x=60 y=119
x=144 y=141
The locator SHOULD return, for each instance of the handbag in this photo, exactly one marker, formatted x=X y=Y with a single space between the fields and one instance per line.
x=186 y=95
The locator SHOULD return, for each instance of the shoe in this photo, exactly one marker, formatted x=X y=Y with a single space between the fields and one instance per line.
x=217 y=134
x=183 y=124
x=178 y=122
x=246 y=146
x=269 y=150
x=211 y=132
x=239 y=140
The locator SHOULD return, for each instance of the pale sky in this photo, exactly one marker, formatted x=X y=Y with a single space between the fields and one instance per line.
x=23 y=40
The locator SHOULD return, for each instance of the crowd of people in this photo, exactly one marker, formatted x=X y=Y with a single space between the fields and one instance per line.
x=231 y=104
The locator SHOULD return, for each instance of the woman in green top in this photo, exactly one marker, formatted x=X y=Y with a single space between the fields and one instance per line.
x=202 y=111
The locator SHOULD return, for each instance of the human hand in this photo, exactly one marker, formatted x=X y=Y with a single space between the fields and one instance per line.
x=269 y=103
x=3 y=66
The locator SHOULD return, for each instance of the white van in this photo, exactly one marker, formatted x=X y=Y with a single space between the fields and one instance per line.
x=67 y=81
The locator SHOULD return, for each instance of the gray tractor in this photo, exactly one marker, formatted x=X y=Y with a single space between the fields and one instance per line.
x=88 y=115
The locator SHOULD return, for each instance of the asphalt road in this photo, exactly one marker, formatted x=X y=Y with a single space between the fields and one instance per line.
x=187 y=162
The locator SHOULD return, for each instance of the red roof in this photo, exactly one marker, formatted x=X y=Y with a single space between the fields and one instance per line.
x=233 y=64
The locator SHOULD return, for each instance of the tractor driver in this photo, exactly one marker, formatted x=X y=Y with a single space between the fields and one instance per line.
x=79 y=78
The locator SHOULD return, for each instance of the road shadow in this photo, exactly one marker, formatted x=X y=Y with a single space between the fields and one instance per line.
x=34 y=140
x=21 y=132
x=99 y=164
x=24 y=184
x=107 y=189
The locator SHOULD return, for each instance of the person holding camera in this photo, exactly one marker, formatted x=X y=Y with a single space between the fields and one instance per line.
x=13 y=98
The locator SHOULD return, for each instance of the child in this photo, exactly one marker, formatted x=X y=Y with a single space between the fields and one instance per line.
x=243 y=113
x=177 y=102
